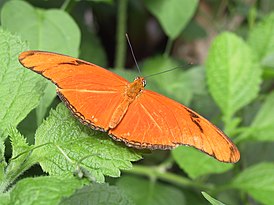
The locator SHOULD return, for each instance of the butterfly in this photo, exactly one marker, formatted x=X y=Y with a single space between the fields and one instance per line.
x=127 y=111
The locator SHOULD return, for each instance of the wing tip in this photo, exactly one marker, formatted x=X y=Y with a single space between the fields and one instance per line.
x=25 y=54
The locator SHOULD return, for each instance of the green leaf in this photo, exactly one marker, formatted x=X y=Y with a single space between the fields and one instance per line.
x=211 y=199
x=43 y=190
x=92 y=49
x=72 y=144
x=148 y=192
x=5 y=198
x=51 y=30
x=18 y=142
x=204 y=164
x=45 y=102
x=21 y=159
x=261 y=128
x=173 y=15
x=233 y=74
x=3 y=163
x=98 y=194
x=261 y=38
x=258 y=181
x=20 y=89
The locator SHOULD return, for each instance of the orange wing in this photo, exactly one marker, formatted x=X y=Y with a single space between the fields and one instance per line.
x=91 y=92
x=157 y=122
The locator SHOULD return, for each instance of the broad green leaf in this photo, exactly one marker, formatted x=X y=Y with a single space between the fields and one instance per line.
x=46 y=101
x=195 y=77
x=196 y=163
x=173 y=15
x=261 y=128
x=5 y=198
x=92 y=49
x=68 y=144
x=98 y=194
x=50 y=30
x=144 y=192
x=20 y=89
x=258 y=181
x=233 y=74
x=43 y=190
x=211 y=199
x=261 y=38
x=176 y=84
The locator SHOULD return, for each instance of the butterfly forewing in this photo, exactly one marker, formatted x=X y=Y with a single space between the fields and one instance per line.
x=90 y=92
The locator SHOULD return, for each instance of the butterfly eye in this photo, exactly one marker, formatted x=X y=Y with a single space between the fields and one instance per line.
x=144 y=82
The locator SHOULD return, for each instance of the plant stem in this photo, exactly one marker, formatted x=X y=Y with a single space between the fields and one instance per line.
x=65 y=5
x=166 y=176
x=120 y=34
x=168 y=47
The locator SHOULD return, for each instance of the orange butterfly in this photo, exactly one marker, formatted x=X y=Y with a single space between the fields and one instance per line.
x=129 y=113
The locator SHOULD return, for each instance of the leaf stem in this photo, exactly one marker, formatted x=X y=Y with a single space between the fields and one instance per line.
x=168 y=47
x=166 y=176
x=120 y=34
x=65 y=5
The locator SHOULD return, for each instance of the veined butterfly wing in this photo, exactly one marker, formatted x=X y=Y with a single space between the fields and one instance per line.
x=141 y=118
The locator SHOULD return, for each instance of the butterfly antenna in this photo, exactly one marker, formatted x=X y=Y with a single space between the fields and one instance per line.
x=165 y=71
x=132 y=53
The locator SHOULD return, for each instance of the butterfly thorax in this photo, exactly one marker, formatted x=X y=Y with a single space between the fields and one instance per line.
x=135 y=88
x=132 y=91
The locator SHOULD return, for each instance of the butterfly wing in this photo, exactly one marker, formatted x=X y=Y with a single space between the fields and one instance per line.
x=151 y=121
x=92 y=93
x=157 y=122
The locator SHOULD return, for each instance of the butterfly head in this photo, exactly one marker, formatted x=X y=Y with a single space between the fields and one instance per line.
x=136 y=87
x=141 y=80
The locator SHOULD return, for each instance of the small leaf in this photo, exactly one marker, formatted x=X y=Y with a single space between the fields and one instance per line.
x=98 y=194
x=145 y=192
x=69 y=144
x=261 y=128
x=43 y=190
x=233 y=74
x=50 y=30
x=21 y=159
x=173 y=15
x=258 y=181
x=21 y=155
x=261 y=38
x=18 y=142
x=20 y=89
x=211 y=199
x=196 y=163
